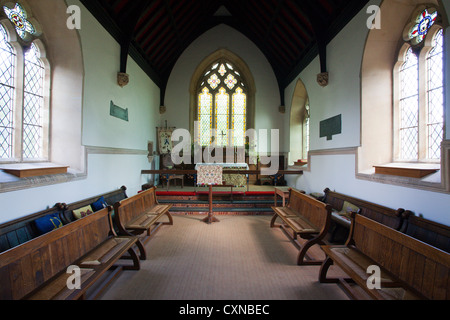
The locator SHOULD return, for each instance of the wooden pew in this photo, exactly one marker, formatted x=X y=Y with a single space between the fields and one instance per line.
x=431 y=232
x=37 y=269
x=410 y=269
x=18 y=231
x=394 y=218
x=110 y=199
x=139 y=215
x=307 y=218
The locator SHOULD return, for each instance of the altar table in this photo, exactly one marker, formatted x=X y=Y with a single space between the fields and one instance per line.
x=237 y=180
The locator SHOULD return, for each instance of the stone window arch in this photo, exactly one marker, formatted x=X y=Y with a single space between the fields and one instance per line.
x=383 y=56
x=299 y=123
x=26 y=104
x=245 y=83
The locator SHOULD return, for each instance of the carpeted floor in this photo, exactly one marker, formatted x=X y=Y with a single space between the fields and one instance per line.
x=238 y=258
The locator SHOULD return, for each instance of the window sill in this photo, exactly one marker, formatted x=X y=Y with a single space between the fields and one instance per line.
x=15 y=177
x=26 y=170
x=409 y=170
x=431 y=182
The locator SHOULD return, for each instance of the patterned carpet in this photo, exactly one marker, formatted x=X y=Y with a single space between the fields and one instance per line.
x=238 y=258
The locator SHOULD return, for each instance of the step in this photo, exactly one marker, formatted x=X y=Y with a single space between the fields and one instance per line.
x=234 y=202
x=205 y=210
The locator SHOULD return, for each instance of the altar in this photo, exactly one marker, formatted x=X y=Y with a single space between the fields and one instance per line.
x=237 y=180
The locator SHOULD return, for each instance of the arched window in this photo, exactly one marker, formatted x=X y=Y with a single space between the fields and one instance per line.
x=435 y=96
x=7 y=87
x=222 y=106
x=306 y=129
x=421 y=97
x=299 y=124
x=409 y=106
x=33 y=104
x=24 y=129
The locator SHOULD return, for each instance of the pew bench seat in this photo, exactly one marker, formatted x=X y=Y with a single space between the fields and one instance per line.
x=355 y=263
x=140 y=215
x=401 y=267
x=298 y=224
x=304 y=217
x=18 y=231
x=145 y=221
x=343 y=205
x=92 y=267
x=39 y=269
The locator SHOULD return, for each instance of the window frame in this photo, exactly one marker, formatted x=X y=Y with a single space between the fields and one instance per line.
x=20 y=47
x=423 y=53
x=199 y=72
x=306 y=129
x=214 y=92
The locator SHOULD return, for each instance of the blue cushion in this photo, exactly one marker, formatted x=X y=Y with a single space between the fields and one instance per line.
x=48 y=223
x=99 y=204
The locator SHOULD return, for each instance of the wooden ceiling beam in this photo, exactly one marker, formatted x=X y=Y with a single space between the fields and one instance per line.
x=319 y=22
x=155 y=26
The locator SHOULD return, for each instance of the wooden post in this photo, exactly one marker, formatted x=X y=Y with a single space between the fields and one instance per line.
x=210 y=218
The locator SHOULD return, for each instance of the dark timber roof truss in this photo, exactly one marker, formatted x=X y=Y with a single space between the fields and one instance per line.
x=289 y=33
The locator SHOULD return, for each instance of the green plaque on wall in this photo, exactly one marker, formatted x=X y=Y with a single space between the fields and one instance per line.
x=118 y=112
x=331 y=127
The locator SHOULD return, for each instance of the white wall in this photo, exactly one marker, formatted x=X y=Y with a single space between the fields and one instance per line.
x=342 y=96
x=267 y=94
x=105 y=172
x=140 y=96
x=337 y=172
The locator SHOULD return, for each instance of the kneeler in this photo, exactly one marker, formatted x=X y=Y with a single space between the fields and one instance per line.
x=209 y=175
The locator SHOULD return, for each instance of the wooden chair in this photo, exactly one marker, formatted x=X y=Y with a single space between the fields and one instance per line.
x=167 y=163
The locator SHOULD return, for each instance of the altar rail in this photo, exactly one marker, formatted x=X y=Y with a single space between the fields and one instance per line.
x=225 y=171
x=247 y=172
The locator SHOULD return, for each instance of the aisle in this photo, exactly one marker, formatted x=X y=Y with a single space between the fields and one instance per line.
x=239 y=258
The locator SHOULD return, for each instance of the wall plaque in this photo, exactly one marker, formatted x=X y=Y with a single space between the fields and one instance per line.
x=331 y=127
x=118 y=112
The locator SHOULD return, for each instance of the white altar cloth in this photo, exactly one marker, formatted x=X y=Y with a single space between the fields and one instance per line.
x=224 y=165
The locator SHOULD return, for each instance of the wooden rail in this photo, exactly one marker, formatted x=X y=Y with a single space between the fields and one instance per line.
x=225 y=171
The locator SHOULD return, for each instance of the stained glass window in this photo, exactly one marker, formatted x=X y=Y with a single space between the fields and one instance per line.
x=421 y=24
x=224 y=106
x=222 y=117
x=421 y=83
x=230 y=81
x=205 y=117
x=18 y=16
x=7 y=71
x=222 y=70
x=33 y=104
x=214 y=81
x=23 y=128
x=409 y=107
x=239 y=117
x=435 y=97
